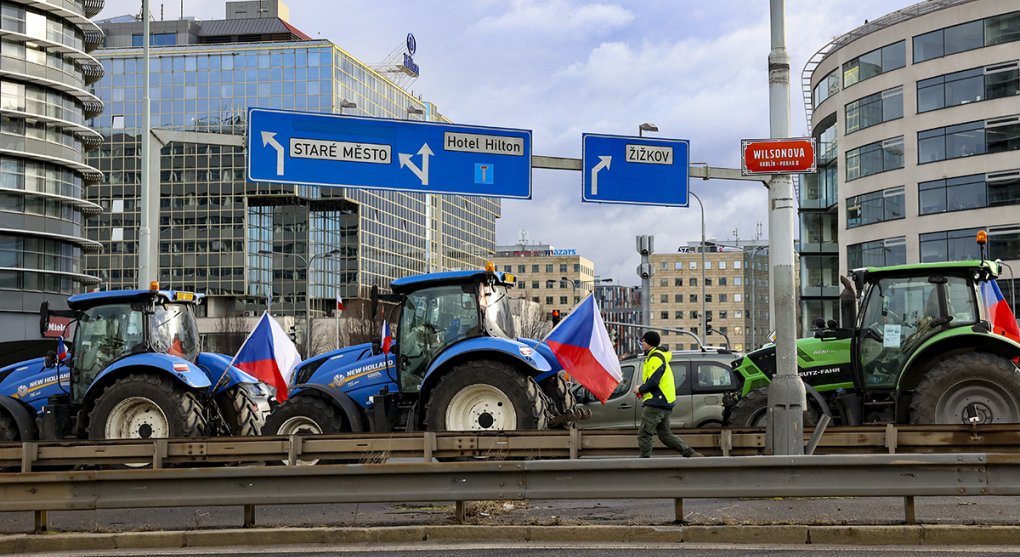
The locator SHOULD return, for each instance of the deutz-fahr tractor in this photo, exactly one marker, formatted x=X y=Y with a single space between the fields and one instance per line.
x=135 y=370
x=921 y=351
x=456 y=365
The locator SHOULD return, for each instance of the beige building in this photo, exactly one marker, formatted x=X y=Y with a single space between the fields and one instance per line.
x=556 y=279
x=917 y=119
x=732 y=287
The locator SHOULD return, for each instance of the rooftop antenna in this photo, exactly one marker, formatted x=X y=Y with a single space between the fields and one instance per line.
x=522 y=239
x=161 y=11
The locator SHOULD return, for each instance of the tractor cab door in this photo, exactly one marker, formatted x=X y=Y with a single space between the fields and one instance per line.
x=103 y=335
x=430 y=320
x=899 y=314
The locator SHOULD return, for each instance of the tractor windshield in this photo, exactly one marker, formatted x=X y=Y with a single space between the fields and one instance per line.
x=900 y=313
x=174 y=330
x=495 y=303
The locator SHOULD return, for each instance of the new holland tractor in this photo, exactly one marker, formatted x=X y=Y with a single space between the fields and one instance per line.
x=135 y=370
x=456 y=365
x=919 y=351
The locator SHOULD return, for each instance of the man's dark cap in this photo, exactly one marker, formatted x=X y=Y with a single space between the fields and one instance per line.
x=651 y=337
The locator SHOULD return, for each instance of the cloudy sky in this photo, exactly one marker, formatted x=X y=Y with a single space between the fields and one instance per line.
x=696 y=69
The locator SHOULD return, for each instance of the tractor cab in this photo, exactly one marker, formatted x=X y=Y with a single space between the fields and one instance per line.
x=116 y=324
x=439 y=310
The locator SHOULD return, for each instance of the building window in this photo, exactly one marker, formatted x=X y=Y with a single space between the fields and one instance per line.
x=738 y=281
x=879 y=206
x=155 y=39
x=958 y=245
x=736 y=264
x=664 y=315
x=708 y=281
x=692 y=281
x=664 y=282
x=738 y=297
x=722 y=281
x=827 y=87
x=664 y=298
x=722 y=312
x=695 y=314
x=879 y=253
x=563 y=267
x=967 y=36
x=874 y=109
x=968 y=86
x=972 y=138
x=664 y=265
x=874 y=63
x=678 y=298
x=534 y=284
x=693 y=298
x=678 y=314
x=507 y=268
x=678 y=281
x=534 y=268
x=969 y=192
x=549 y=268
x=722 y=265
x=548 y=300
x=738 y=314
x=563 y=300
x=722 y=298
x=520 y=269
x=692 y=265
x=708 y=298
x=874 y=158
x=678 y=265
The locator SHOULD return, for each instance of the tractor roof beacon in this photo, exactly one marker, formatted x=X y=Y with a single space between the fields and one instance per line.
x=134 y=369
x=456 y=364
x=915 y=346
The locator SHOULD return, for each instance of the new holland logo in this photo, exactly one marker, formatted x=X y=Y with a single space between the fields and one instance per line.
x=22 y=389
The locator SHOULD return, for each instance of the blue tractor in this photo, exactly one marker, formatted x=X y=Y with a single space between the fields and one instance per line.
x=135 y=370
x=456 y=365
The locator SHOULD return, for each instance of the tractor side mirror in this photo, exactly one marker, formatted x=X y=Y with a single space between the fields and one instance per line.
x=375 y=302
x=819 y=323
x=376 y=347
x=847 y=303
x=50 y=360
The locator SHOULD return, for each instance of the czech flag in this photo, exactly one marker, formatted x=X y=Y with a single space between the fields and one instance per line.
x=339 y=303
x=268 y=355
x=582 y=346
x=998 y=312
x=61 y=349
x=386 y=338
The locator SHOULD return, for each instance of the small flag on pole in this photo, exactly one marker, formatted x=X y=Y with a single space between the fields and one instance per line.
x=339 y=303
x=61 y=349
x=581 y=344
x=386 y=338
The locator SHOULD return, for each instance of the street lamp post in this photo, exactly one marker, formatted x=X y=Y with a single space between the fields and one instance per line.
x=308 y=288
x=646 y=127
x=704 y=323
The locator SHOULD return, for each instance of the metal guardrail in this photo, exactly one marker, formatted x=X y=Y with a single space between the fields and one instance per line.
x=905 y=476
x=559 y=444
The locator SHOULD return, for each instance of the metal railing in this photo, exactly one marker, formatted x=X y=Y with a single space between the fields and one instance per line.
x=551 y=444
x=904 y=476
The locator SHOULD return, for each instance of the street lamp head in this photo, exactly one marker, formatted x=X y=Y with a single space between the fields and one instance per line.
x=265 y=252
x=648 y=127
x=332 y=252
x=344 y=103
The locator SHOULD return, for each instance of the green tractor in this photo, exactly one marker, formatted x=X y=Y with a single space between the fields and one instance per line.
x=921 y=351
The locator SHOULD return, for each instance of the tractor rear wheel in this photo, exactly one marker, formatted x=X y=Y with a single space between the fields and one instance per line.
x=562 y=399
x=753 y=410
x=146 y=406
x=958 y=388
x=485 y=395
x=8 y=429
x=305 y=415
x=241 y=411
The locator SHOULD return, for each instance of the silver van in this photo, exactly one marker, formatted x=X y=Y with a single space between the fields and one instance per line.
x=701 y=379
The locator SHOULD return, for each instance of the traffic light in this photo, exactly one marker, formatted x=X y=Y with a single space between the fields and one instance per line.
x=708 y=325
x=555 y=317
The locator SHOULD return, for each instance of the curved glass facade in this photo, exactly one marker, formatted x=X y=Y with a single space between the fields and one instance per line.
x=45 y=67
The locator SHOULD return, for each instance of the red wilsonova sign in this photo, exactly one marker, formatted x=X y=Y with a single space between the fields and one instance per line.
x=778 y=156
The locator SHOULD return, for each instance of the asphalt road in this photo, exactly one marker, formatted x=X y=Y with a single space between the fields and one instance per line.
x=548 y=550
x=649 y=512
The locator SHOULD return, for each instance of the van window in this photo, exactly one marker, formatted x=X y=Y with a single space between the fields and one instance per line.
x=680 y=375
x=712 y=375
x=624 y=386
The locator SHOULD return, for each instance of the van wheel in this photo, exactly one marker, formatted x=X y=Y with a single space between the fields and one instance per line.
x=976 y=384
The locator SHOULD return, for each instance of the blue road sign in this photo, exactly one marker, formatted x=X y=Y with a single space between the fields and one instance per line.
x=333 y=150
x=633 y=170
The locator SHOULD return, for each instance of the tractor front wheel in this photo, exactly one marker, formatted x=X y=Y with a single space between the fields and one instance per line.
x=975 y=387
x=146 y=406
x=305 y=415
x=241 y=410
x=485 y=396
x=753 y=410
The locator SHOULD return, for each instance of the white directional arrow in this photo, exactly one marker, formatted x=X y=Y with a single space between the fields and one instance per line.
x=604 y=162
x=269 y=138
x=423 y=172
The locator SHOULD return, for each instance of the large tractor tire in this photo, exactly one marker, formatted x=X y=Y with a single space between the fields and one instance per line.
x=241 y=411
x=561 y=405
x=8 y=429
x=305 y=415
x=975 y=384
x=485 y=396
x=146 y=406
x=753 y=410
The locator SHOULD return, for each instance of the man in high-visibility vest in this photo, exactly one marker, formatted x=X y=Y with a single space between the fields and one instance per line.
x=659 y=394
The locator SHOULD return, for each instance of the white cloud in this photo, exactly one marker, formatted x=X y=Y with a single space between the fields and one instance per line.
x=556 y=20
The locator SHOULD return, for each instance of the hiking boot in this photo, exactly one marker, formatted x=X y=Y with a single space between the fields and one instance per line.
x=693 y=454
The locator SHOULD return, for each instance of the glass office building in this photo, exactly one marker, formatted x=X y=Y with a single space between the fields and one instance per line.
x=241 y=242
x=917 y=119
x=45 y=71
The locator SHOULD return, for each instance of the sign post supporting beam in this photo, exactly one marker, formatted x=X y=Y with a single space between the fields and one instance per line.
x=784 y=433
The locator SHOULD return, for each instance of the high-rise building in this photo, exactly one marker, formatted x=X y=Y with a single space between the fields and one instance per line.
x=917 y=119
x=45 y=72
x=556 y=279
x=731 y=288
x=621 y=304
x=239 y=242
